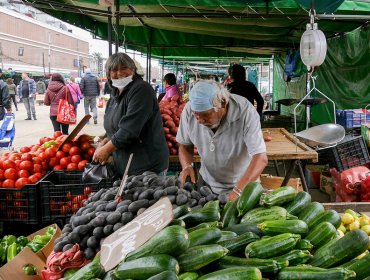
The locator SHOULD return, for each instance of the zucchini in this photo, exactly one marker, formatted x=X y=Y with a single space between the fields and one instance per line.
x=227 y=235
x=239 y=242
x=314 y=273
x=199 y=256
x=181 y=211
x=202 y=215
x=304 y=244
x=361 y=267
x=109 y=276
x=265 y=266
x=224 y=209
x=249 y=198
x=295 y=257
x=243 y=228
x=165 y=275
x=278 y=197
x=296 y=206
x=172 y=240
x=188 y=276
x=321 y=234
x=235 y=273
x=90 y=271
x=272 y=228
x=272 y=247
x=330 y=216
x=204 y=236
x=146 y=267
x=259 y=215
x=346 y=248
x=311 y=211
x=177 y=222
x=205 y=225
x=231 y=215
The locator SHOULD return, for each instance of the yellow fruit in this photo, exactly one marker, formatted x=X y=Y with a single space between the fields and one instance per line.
x=364 y=221
x=340 y=233
x=355 y=225
x=347 y=219
x=351 y=212
x=342 y=228
x=366 y=229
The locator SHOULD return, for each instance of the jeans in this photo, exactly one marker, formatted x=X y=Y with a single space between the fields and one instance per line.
x=59 y=126
x=90 y=104
x=12 y=96
x=29 y=104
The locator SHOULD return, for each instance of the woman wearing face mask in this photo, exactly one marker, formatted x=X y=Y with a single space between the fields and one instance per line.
x=132 y=121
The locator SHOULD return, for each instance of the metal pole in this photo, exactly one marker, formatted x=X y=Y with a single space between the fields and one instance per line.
x=162 y=69
x=110 y=31
x=117 y=25
x=150 y=64
x=49 y=53
x=43 y=62
x=147 y=63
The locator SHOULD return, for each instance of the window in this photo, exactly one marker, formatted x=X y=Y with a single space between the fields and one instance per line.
x=20 y=51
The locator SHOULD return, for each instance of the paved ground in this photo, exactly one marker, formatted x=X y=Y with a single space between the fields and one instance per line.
x=29 y=132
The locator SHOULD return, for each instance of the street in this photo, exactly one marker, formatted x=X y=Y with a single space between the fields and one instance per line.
x=29 y=132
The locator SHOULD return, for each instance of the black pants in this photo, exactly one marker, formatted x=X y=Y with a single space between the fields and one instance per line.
x=59 y=126
x=12 y=96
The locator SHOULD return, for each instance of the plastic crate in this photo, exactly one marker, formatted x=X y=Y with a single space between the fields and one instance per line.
x=350 y=152
x=20 y=205
x=57 y=191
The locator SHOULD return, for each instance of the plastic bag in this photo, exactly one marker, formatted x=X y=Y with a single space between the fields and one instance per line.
x=66 y=112
x=94 y=173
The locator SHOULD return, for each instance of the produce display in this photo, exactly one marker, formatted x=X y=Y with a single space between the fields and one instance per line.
x=262 y=235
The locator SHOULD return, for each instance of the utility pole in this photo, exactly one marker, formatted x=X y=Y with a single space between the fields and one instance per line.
x=49 y=54
x=1 y=56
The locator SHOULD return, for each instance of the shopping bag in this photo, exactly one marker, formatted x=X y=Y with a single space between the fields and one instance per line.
x=66 y=112
x=100 y=102
x=94 y=173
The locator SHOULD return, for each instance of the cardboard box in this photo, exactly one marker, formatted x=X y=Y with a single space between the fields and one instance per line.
x=327 y=186
x=274 y=182
x=13 y=269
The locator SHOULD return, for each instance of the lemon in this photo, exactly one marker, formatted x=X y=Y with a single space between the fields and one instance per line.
x=351 y=212
x=364 y=221
x=342 y=228
x=340 y=233
x=347 y=219
x=366 y=229
x=355 y=225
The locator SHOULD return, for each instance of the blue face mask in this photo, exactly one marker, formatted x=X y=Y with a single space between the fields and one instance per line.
x=121 y=83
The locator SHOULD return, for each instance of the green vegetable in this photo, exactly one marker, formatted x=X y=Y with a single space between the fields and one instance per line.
x=90 y=271
x=321 y=234
x=41 y=239
x=29 y=269
x=249 y=198
x=22 y=240
x=239 y=242
x=304 y=244
x=311 y=211
x=188 y=276
x=204 y=236
x=227 y=235
x=205 y=225
x=3 y=250
x=314 y=273
x=361 y=267
x=51 y=231
x=165 y=275
x=278 y=197
x=330 y=216
x=70 y=272
x=272 y=228
x=266 y=266
x=235 y=273
x=261 y=214
x=231 y=215
x=9 y=239
x=11 y=252
x=210 y=213
x=35 y=247
x=295 y=257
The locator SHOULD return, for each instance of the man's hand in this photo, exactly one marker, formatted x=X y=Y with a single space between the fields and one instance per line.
x=187 y=172
x=232 y=196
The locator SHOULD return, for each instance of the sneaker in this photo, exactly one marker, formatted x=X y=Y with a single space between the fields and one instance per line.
x=28 y=119
x=95 y=121
x=35 y=118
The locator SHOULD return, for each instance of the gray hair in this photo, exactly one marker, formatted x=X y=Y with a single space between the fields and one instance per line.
x=119 y=61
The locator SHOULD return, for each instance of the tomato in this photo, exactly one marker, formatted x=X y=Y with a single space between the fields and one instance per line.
x=21 y=182
x=2 y=175
x=35 y=148
x=23 y=173
x=37 y=168
x=58 y=167
x=86 y=156
x=33 y=179
x=26 y=156
x=57 y=134
x=44 y=139
x=51 y=152
x=66 y=147
x=38 y=174
x=26 y=165
x=81 y=164
x=75 y=207
x=60 y=154
x=91 y=151
x=53 y=162
x=76 y=158
x=43 y=156
x=37 y=160
x=25 y=150
x=74 y=151
x=65 y=161
x=64 y=210
x=72 y=166
x=77 y=199
x=9 y=164
x=11 y=173
x=87 y=190
x=44 y=165
x=14 y=157
x=18 y=163
x=85 y=145
x=8 y=184
x=69 y=195
x=84 y=138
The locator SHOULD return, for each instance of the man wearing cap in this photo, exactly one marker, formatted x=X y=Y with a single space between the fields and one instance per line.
x=227 y=133
x=4 y=98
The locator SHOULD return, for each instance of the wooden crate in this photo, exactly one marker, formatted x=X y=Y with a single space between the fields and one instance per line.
x=274 y=182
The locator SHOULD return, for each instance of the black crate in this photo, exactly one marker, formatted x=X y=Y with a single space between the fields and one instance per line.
x=20 y=205
x=57 y=189
x=350 y=152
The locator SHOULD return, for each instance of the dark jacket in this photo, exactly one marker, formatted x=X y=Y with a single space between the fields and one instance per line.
x=249 y=91
x=90 y=85
x=133 y=123
x=56 y=91
x=5 y=99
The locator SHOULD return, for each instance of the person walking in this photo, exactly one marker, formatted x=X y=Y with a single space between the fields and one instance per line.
x=4 y=98
x=75 y=91
x=40 y=87
x=56 y=91
x=27 y=92
x=90 y=89
x=12 y=88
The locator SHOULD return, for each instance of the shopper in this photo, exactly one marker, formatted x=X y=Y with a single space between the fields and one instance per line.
x=40 y=87
x=12 y=88
x=4 y=98
x=27 y=92
x=244 y=88
x=226 y=130
x=56 y=91
x=169 y=81
x=75 y=91
x=90 y=89
x=132 y=121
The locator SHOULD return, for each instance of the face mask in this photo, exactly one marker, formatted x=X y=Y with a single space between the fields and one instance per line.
x=121 y=83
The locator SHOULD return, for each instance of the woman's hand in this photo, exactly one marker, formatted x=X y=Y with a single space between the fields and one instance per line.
x=103 y=152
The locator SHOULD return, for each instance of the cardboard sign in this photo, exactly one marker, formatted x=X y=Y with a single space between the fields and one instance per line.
x=76 y=130
x=134 y=234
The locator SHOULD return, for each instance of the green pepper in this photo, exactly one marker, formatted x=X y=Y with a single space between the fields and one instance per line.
x=35 y=247
x=4 y=250
x=29 y=269
x=50 y=231
x=22 y=240
x=10 y=239
x=11 y=252
x=41 y=239
x=19 y=248
x=49 y=144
